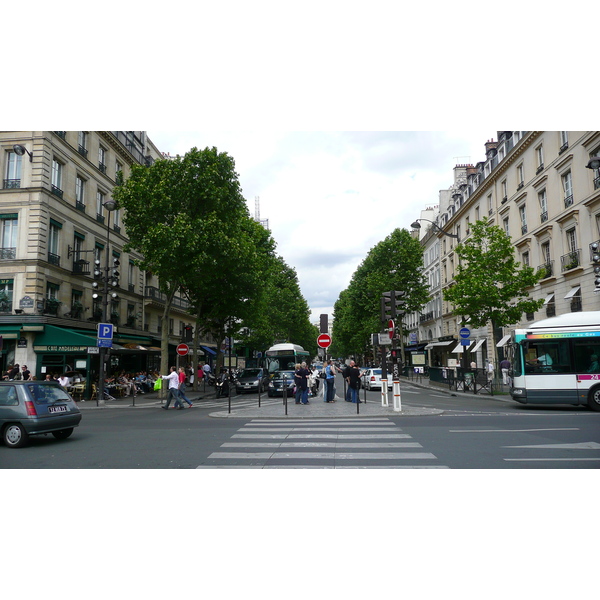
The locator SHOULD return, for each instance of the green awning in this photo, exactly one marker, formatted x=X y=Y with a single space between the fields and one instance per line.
x=138 y=339
x=10 y=332
x=61 y=339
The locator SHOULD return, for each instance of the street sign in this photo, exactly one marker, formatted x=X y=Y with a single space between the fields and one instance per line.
x=391 y=328
x=105 y=331
x=465 y=332
x=324 y=340
x=183 y=349
x=104 y=343
x=466 y=342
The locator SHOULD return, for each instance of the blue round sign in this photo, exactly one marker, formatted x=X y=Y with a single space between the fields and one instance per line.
x=465 y=332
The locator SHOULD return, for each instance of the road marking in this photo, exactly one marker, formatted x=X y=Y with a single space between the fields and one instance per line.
x=574 y=446
x=547 y=459
x=321 y=445
x=334 y=436
x=341 y=429
x=511 y=430
x=326 y=455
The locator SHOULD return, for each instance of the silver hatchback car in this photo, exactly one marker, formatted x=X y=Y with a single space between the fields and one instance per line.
x=34 y=407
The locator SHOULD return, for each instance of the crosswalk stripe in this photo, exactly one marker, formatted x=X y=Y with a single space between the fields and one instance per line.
x=321 y=445
x=327 y=455
x=344 y=436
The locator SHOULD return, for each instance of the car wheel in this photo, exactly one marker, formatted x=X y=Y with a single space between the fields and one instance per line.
x=594 y=399
x=62 y=434
x=15 y=436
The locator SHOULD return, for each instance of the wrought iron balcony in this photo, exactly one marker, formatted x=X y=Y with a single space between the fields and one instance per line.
x=102 y=167
x=61 y=134
x=131 y=287
x=524 y=229
x=597 y=183
x=571 y=260
x=568 y=201
x=100 y=218
x=80 y=206
x=8 y=253
x=547 y=269
x=82 y=151
x=540 y=169
x=81 y=267
x=155 y=294
x=56 y=191
x=54 y=259
x=543 y=217
x=11 y=184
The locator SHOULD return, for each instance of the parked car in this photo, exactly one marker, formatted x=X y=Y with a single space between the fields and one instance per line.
x=34 y=407
x=372 y=379
x=252 y=380
x=276 y=383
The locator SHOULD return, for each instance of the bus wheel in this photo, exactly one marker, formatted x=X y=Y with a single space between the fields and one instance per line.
x=594 y=399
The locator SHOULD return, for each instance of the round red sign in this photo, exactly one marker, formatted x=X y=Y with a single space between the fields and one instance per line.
x=183 y=349
x=391 y=328
x=324 y=340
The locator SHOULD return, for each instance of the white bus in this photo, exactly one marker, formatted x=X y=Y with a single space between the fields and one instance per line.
x=284 y=357
x=557 y=361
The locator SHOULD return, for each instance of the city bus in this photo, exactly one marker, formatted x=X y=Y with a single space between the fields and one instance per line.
x=557 y=361
x=284 y=357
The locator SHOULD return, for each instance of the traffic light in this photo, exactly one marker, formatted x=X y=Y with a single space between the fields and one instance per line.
x=97 y=270
x=392 y=304
x=187 y=333
x=114 y=278
x=324 y=324
x=596 y=260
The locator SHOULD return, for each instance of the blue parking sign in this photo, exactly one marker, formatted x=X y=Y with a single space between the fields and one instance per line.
x=105 y=331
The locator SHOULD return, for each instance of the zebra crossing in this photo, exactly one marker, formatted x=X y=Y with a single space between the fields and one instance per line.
x=321 y=443
x=237 y=402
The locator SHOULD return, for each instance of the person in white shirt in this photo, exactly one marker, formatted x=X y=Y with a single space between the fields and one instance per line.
x=173 y=387
x=64 y=381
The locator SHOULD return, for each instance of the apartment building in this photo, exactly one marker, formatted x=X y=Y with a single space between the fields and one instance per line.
x=56 y=236
x=541 y=188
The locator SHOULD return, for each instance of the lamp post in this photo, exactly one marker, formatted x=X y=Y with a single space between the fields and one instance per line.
x=20 y=150
x=110 y=205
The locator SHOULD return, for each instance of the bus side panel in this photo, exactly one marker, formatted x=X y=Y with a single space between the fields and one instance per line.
x=564 y=389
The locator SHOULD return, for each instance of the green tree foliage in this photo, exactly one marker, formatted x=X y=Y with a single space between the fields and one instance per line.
x=393 y=264
x=489 y=284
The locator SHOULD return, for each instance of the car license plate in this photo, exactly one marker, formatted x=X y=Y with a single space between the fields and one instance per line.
x=57 y=409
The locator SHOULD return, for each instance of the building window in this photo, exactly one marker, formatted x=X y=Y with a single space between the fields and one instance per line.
x=8 y=236
x=82 y=143
x=543 y=200
x=504 y=191
x=571 y=240
x=567 y=183
x=53 y=244
x=523 y=215
x=596 y=172
x=490 y=207
x=520 y=177
x=80 y=193
x=564 y=141
x=546 y=253
x=505 y=225
x=57 y=178
x=525 y=258
x=102 y=159
x=12 y=178
x=6 y=295
x=539 y=152
x=99 y=206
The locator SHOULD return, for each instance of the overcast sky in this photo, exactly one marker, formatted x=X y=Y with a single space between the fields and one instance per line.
x=330 y=197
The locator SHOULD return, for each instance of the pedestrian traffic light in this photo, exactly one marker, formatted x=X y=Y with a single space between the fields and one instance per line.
x=324 y=324
x=595 y=247
x=187 y=333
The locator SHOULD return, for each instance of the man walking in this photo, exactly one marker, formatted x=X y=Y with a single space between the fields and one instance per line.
x=173 y=379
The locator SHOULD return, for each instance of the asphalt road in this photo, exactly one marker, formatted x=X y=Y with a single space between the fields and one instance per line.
x=472 y=432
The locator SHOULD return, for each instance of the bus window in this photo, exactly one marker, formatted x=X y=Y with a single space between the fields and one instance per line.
x=545 y=356
x=587 y=357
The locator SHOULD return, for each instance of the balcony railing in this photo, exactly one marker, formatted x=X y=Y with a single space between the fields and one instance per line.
x=571 y=260
x=597 y=183
x=54 y=259
x=61 y=134
x=540 y=169
x=426 y=317
x=80 y=206
x=100 y=218
x=568 y=201
x=547 y=269
x=56 y=191
x=102 y=167
x=81 y=267
x=155 y=294
x=82 y=151
x=8 y=253
x=524 y=229
x=543 y=217
x=11 y=184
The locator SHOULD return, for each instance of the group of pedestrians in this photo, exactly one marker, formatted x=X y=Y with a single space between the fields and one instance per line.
x=176 y=389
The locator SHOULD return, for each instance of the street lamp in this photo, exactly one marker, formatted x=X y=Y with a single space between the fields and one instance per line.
x=20 y=150
x=110 y=205
x=417 y=225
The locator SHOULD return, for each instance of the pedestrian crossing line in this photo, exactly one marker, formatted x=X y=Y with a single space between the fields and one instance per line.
x=325 y=455
x=321 y=445
x=303 y=422
x=334 y=436
x=323 y=429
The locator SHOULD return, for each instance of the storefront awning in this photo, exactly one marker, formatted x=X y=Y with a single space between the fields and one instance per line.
x=548 y=298
x=10 y=332
x=432 y=344
x=209 y=350
x=477 y=345
x=61 y=339
x=503 y=341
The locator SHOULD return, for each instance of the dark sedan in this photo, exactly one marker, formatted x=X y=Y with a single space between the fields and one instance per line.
x=276 y=385
x=252 y=380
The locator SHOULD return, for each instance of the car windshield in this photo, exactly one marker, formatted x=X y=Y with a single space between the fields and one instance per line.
x=251 y=373
x=376 y=371
x=48 y=394
x=280 y=374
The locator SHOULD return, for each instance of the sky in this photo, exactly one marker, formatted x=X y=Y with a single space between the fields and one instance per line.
x=331 y=196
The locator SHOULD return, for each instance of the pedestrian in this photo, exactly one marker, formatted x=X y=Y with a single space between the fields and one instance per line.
x=313 y=381
x=330 y=371
x=173 y=379
x=303 y=374
x=490 y=370
x=25 y=375
x=64 y=381
x=182 y=386
x=297 y=378
x=504 y=367
x=352 y=375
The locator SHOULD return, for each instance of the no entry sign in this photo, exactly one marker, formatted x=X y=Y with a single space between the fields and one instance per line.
x=324 y=340
x=183 y=349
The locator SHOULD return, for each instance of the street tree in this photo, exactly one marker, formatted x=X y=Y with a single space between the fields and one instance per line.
x=490 y=286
